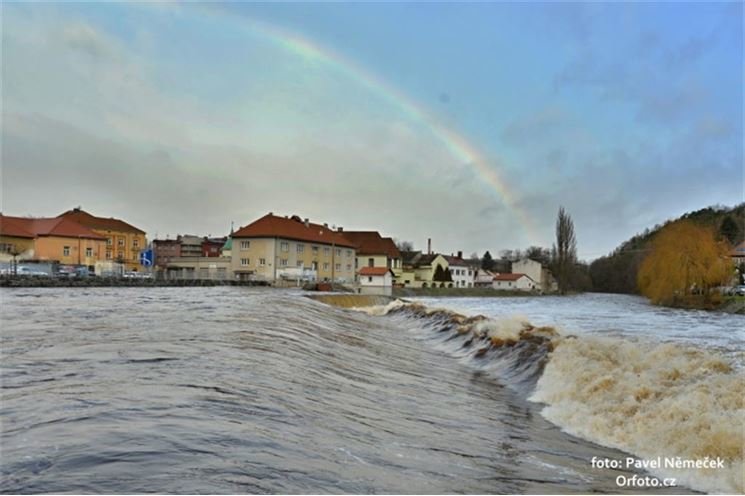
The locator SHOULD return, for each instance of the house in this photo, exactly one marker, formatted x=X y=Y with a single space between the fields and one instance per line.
x=373 y=250
x=514 y=282
x=273 y=248
x=212 y=247
x=424 y=270
x=123 y=241
x=461 y=271
x=483 y=278
x=537 y=272
x=56 y=239
x=376 y=280
x=165 y=251
x=202 y=268
x=738 y=254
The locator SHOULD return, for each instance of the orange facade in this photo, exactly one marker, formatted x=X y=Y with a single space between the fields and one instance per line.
x=69 y=251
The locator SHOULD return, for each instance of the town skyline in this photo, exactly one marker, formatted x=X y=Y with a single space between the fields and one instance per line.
x=375 y=117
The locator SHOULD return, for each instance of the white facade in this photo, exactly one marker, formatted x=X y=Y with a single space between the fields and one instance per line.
x=463 y=275
x=376 y=283
x=520 y=283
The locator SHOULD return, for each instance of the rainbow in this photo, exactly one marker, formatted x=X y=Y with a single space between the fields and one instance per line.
x=456 y=144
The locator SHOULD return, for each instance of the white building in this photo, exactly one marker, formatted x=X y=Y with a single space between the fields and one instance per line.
x=483 y=278
x=514 y=282
x=463 y=275
x=537 y=272
x=376 y=280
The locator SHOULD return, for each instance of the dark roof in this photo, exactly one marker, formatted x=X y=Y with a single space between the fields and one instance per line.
x=101 y=223
x=456 y=261
x=272 y=226
x=509 y=277
x=374 y=271
x=372 y=243
x=30 y=227
x=417 y=259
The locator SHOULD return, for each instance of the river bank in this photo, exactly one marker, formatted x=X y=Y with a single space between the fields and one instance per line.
x=113 y=282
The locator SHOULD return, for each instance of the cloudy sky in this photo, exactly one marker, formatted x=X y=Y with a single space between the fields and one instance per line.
x=467 y=123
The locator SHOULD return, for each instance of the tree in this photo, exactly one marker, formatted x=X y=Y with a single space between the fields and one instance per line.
x=686 y=259
x=405 y=245
x=442 y=275
x=487 y=262
x=564 y=252
x=730 y=230
x=542 y=255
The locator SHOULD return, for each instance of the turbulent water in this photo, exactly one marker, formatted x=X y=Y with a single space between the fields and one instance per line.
x=238 y=390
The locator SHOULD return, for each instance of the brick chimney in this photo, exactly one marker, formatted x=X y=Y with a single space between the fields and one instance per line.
x=429 y=246
x=341 y=229
x=460 y=254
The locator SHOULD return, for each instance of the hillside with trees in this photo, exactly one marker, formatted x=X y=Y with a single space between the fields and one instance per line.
x=618 y=272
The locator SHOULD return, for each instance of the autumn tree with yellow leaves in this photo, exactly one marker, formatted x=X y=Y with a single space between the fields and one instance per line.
x=685 y=262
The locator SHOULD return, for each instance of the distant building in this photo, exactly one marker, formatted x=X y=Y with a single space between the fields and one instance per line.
x=376 y=280
x=461 y=271
x=373 y=250
x=419 y=270
x=57 y=239
x=514 y=282
x=738 y=253
x=483 y=278
x=212 y=247
x=123 y=241
x=275 y=248
x=166 y=250
x=202 y=268
x=537 y=272
x=191 y=246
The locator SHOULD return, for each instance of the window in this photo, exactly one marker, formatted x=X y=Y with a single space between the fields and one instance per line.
x=89 y=252
x=108 y=255
x=245 y=245
x=284 y=246
x=136 y=243
x=244 y=261
x=338 y=252
x=7 y=247
x=300 y=248
x=262 y=261
x=283 y=262
x=108 y=241
x=325 y=266
x=349 y=253
x=371 y=262
x=337 y=266
x=120 y=241
x=326 y=250
x=315 y=250
x=349 y=266
x=66 y=251
x=299 y=263
x=369 y=278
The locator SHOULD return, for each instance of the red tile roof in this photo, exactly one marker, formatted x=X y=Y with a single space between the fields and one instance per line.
x=458 y=262
x=30 y=227
x=101 y=223
x=509 y=277
x=374 y=271
x=372 y=243
x=272 y=226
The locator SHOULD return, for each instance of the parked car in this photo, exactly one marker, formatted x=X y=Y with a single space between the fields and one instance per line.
x=740 y=290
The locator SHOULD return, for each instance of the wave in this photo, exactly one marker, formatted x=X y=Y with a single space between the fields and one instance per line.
x=657 y=401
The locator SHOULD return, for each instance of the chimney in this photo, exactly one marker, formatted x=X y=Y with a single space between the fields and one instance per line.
x=460 y=254
x=325 y=225
x=341 y=229
x=307 y=224
x=429 y=246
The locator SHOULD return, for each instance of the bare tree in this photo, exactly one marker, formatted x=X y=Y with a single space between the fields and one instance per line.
x=405 y=245
x=564 y=252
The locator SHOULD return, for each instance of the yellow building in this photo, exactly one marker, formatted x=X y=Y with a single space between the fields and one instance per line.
x=49 y=240
x=419 y=270
x=123 y=241
x=375 y=251
x=274 y=248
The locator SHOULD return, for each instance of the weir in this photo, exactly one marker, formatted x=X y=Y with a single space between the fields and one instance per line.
x=352 y=300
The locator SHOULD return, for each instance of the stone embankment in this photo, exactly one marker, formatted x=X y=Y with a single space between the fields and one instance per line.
x=88 y=282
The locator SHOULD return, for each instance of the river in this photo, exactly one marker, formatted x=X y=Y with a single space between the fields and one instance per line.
x=248 y=390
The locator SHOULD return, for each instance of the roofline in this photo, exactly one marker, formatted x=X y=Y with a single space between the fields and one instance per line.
x=347 y=245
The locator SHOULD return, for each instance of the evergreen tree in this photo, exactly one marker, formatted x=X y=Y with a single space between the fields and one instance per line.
x=487 y=263
x=730 y=230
